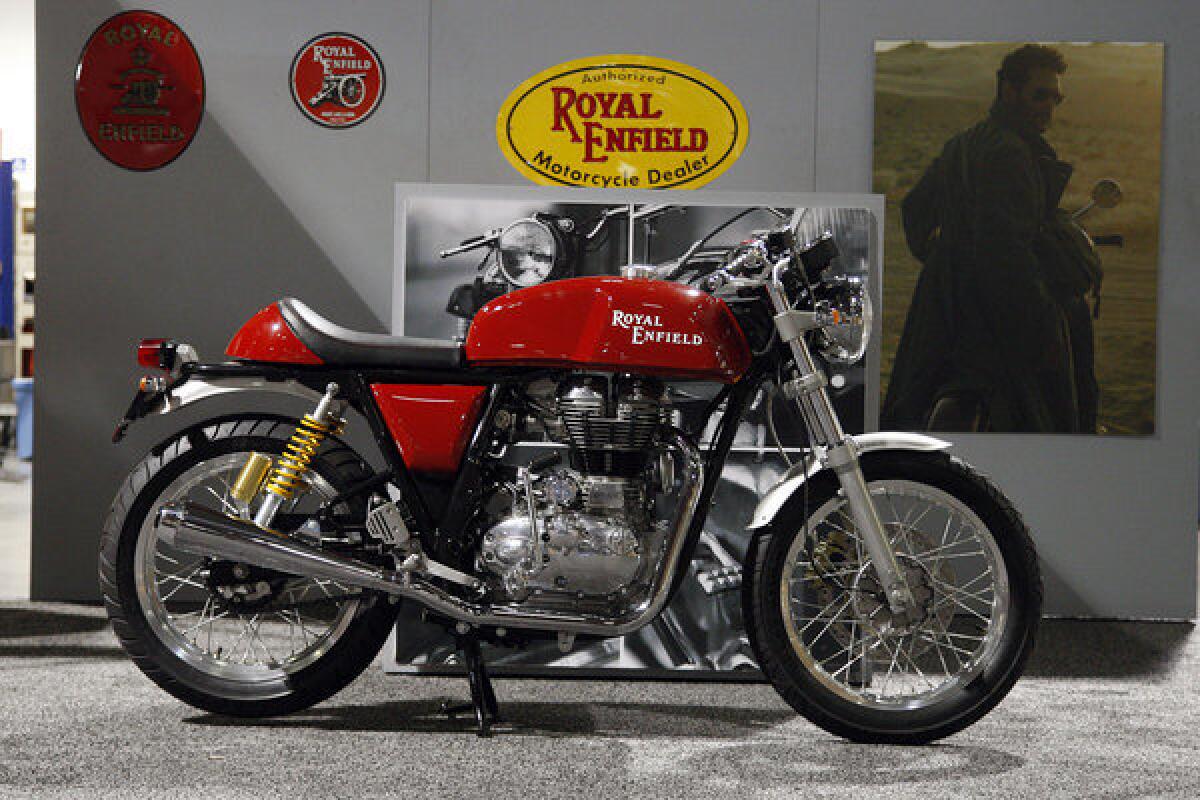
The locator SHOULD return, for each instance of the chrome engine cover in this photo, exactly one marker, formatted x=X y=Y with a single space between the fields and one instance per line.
x=583 y=533
x=580 y=554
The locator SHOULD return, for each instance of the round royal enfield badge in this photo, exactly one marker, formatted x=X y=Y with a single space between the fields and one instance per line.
x=337 y=80
x=139 y=90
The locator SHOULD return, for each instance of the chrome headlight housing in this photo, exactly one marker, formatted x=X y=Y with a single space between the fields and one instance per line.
x=529 y=251
x=848 y=307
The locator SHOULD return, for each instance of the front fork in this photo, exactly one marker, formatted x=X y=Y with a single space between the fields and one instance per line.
x=807 y=390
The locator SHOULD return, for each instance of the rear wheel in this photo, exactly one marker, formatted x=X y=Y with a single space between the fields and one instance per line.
x=225 y=637
x=826 y=637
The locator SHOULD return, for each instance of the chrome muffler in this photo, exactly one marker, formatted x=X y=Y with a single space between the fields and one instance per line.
x=202 y=531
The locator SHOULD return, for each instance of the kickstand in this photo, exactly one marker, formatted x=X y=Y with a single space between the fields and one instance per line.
x=483 y=697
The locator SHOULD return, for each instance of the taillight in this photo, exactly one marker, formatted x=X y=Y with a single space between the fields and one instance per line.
x=156 y=354
x=167 y=355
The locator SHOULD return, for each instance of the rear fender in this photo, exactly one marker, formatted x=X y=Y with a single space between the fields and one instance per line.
x=196 y=389
x=193 y=389
x=797 y=476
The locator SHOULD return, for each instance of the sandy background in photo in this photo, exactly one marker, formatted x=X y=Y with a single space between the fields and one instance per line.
x=1110 y=126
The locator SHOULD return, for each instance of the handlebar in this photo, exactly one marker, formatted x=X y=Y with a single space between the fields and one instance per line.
x=473 y=243
x=755 y=254
x=1112 y=240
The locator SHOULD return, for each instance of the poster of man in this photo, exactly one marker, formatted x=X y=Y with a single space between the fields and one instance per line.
x=1020 y=278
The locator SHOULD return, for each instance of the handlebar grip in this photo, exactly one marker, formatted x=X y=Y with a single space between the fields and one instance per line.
x=472 y=240
x=1112 y=240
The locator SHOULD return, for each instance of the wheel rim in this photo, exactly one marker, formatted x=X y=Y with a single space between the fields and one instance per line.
x=840 y=627
x=253 y=646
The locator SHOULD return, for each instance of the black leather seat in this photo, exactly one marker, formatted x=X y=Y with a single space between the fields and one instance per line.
x=342 y=346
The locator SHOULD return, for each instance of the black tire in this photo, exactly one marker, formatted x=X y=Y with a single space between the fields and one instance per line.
x=829 y=701
x=350 y=653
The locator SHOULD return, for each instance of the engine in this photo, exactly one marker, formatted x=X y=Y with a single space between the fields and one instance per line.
x=584 y=529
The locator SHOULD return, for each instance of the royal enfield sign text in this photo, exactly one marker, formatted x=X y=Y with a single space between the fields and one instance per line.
x=337 y=80
x=622 y=121
x=139 y=90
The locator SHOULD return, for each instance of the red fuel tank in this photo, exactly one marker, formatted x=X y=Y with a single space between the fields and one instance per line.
x=612 y=324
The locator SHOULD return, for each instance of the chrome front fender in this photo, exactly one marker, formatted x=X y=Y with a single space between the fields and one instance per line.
x=796 y=477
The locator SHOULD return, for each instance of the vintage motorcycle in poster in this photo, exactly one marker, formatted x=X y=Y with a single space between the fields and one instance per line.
x=253 y=564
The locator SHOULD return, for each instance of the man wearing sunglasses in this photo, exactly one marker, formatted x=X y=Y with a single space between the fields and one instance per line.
x=988 y=340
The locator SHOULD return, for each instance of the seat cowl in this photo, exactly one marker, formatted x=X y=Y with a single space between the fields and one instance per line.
x=336 y=345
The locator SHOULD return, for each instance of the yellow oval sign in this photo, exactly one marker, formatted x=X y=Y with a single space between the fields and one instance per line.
x=622 y=122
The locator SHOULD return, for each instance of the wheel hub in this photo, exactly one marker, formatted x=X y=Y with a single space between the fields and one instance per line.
x=241 y=587
x=869 y=598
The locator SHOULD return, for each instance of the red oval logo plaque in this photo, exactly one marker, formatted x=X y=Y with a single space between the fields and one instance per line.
x=337 y=80
x=139 y=90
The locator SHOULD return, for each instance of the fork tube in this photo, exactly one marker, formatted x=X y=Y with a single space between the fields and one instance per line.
x=841 y=455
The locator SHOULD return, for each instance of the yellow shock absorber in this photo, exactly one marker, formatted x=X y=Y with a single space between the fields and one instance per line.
x=287 y=477
x=291 y=469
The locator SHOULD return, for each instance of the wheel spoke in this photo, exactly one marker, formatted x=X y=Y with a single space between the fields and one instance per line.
x=814 y=620
x=204 y=622
x=909 y=658
x=225 y=504
x=952 y=648
x=263 y=644
x=958 y=591
x=182 y=582
x=887 y=678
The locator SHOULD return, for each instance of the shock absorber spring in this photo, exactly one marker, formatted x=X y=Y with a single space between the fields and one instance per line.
x=288 y=476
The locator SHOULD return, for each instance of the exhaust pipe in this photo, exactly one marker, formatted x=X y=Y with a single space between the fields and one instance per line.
x=202 y=531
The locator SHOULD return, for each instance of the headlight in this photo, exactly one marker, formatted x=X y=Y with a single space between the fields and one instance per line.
x=527 y=252
x=845 y=341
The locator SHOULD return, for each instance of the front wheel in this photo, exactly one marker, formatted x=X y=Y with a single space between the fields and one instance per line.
x=825 y=636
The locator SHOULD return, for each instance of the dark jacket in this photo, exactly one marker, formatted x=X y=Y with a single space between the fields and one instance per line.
x=984 y=321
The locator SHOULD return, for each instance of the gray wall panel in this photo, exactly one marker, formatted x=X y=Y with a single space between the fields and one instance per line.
x=765 y=54
x=1114 y=518
x=336 y=183
x=190 y=250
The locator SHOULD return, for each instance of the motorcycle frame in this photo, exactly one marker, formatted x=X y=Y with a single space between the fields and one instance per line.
x=444 y=538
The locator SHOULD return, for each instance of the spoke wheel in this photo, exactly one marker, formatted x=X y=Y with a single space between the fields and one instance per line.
x=826 y=636
x=838 y=620
x=264 y=630
x=226 y=637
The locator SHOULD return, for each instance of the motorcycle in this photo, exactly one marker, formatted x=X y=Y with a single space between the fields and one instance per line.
x=252 y=564
x=347 y=91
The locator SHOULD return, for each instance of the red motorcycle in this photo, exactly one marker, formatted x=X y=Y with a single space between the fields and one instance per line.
x=252 y=564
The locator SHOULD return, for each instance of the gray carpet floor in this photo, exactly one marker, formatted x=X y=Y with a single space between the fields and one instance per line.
x=1106 y=710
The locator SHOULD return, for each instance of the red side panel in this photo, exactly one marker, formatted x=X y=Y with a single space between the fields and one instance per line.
x=431 y=425
x=267 y=337
x=610 y=323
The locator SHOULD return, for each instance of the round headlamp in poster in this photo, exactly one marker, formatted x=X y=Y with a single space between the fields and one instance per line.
x=139 y=90
x=337 y=80
x=623 y=122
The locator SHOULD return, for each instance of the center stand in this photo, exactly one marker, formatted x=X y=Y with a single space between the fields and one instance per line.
x=483 y=697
